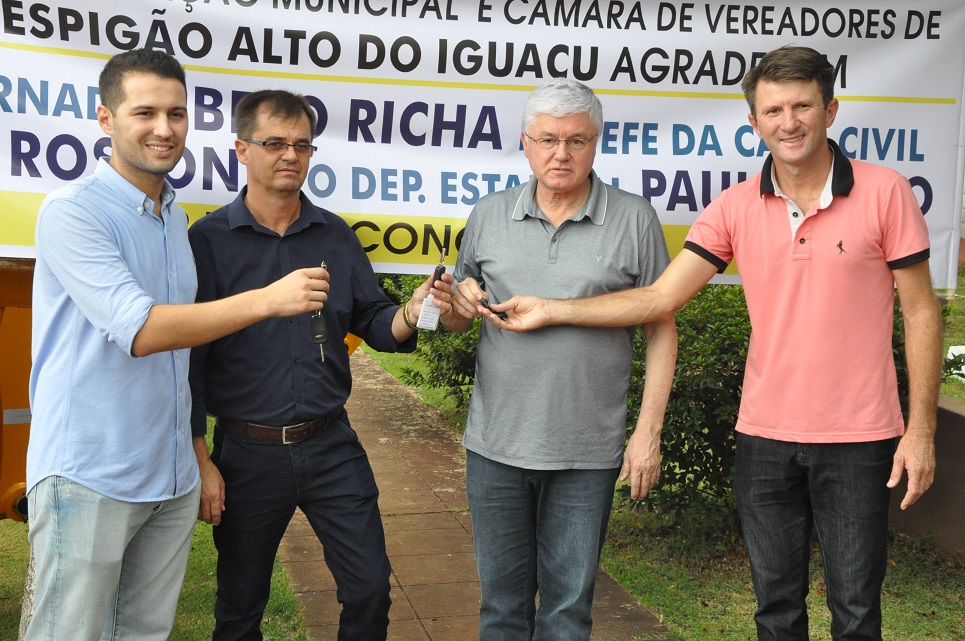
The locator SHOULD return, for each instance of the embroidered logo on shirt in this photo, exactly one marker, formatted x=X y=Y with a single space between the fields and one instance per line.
x=841 y=247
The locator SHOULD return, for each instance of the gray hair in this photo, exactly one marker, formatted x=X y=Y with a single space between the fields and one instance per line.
x=561 y=97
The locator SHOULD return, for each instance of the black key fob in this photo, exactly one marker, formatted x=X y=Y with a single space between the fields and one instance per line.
x=319 y=328
x=485 y=303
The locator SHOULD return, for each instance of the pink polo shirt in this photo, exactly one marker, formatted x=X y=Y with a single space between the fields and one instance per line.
x=819 y=366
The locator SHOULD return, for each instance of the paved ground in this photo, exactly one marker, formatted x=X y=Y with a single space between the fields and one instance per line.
x=420 y=468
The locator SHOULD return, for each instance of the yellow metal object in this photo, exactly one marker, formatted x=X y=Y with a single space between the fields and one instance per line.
x=16 y=277
x=14 y=503
x=352 y=342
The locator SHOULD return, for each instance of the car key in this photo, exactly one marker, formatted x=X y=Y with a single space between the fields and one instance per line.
x=319 y=328
x=485 y=303
x=429 y=316
x=440 y=268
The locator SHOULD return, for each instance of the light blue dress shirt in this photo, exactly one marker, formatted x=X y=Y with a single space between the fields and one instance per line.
x=115 y=423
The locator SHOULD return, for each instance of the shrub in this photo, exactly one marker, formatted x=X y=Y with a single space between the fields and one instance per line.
x=697 y=446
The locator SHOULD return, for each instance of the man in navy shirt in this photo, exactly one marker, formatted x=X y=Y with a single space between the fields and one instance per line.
x=282 y=438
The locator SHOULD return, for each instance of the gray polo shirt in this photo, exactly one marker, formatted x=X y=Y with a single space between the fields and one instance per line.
x=556 y=398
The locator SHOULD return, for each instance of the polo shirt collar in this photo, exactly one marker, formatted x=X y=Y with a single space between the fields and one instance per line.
x=240 y=216
x=842 y=175
x=594 y=209
x=824 y=200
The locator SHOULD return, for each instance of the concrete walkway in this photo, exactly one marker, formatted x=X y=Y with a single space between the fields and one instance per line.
x=420 y=468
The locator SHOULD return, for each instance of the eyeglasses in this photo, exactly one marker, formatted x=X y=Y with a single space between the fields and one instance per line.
x=279 y=147
x=573 y=144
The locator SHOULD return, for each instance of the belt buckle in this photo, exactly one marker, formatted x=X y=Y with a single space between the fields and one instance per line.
x=284 y=433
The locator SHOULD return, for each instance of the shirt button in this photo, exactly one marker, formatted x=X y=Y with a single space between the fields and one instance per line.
x=794 y=214
x=298 y=360
x=802 y=241
x=291 y=319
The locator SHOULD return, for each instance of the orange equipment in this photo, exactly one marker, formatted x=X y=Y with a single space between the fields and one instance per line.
x=16 y=276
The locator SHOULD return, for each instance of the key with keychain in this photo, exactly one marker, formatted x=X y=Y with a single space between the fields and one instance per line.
x=429 y=316
x=319 y=328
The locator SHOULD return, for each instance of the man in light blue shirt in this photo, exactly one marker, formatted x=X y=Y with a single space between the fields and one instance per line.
x=112 y=476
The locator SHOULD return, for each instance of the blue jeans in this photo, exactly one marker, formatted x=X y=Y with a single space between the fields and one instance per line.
x=537 y=532
x=329 y=478
x=782 y=490
x=106 y=569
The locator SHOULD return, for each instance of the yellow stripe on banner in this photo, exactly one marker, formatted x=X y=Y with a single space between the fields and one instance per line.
x=408 y=240
x=387 y=238
x=390 y=238
x=18 y=217
x=197 y=210
x=920 y=100
x=675 y=236
x=57 y=51
x=481 y=86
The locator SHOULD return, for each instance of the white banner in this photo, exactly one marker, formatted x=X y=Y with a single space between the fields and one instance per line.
x=420 y=100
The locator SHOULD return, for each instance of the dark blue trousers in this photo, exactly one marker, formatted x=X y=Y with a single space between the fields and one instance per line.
x=329 y=478
x=784 y=490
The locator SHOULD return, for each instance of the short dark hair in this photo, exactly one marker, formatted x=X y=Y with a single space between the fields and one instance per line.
x=277 y=102
x=790 y=63
x=111 y=81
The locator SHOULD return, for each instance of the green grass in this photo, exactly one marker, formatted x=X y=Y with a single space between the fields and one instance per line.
x=14 y=554
x=693 y=573
x=694 y=576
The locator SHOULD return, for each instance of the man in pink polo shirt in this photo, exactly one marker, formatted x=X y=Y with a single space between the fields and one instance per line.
x=820 y=242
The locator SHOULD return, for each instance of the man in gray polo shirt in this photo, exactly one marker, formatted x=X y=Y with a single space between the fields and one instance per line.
x=546 y=428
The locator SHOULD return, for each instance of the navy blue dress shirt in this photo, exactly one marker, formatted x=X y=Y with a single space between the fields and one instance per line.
x=271 y=372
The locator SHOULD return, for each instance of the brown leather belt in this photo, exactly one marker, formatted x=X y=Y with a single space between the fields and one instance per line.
x=286 y=434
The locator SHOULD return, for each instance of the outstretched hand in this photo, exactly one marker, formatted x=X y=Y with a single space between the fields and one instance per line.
x=303 y=290
x=523 y=313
